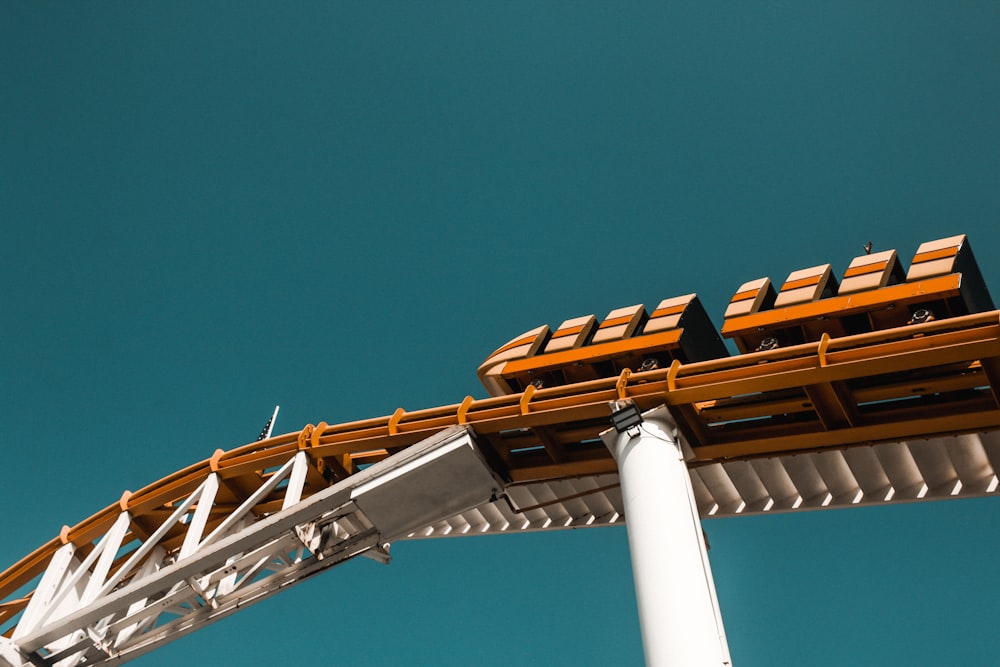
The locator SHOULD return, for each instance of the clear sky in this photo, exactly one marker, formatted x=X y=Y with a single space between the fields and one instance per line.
x=209 y=208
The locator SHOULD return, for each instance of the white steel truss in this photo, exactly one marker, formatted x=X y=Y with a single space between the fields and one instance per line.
x=121 y=599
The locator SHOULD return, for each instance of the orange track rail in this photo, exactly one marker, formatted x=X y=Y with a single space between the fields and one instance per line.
x=923 y=380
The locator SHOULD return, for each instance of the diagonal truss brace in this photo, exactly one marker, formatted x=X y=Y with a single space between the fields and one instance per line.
x=88 y=612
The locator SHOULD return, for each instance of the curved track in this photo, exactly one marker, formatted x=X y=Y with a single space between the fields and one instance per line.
x=906 y=412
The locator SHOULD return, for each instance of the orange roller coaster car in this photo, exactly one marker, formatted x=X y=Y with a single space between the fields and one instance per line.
x=882 y=386
x=875 y=294
x=580 y=350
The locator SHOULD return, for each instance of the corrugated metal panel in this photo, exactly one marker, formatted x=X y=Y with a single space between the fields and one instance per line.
x=932 y=469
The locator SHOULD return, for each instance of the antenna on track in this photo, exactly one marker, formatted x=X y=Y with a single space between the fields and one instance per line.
x=265 y=432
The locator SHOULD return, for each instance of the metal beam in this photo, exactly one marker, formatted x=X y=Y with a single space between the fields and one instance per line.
x=124 y=613
x=678 y=609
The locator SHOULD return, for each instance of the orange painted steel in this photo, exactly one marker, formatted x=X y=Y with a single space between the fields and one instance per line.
x=678 y=328
x=596 y=351
x=825 y=386
x=898 y=295
x=935 y=254
x=922 y=380
x=865 y=269
x=568 y=331
x=801 y=282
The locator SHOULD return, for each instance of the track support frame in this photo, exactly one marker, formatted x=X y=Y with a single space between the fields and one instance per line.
x=679 y=612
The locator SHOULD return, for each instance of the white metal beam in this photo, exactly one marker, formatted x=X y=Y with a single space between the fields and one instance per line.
x=157 y=596
x=206 y=498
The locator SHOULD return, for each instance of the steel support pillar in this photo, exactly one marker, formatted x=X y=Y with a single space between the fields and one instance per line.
x=678 y=607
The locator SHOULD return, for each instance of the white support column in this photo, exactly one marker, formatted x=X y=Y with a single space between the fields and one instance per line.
x=678 y=608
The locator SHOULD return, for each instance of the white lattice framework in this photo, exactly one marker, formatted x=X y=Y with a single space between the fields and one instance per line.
x=121 y=600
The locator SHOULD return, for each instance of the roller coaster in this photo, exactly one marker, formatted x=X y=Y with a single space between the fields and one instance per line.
x=880 y=387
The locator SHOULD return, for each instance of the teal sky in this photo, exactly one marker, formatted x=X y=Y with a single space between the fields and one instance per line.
x=210 y=208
